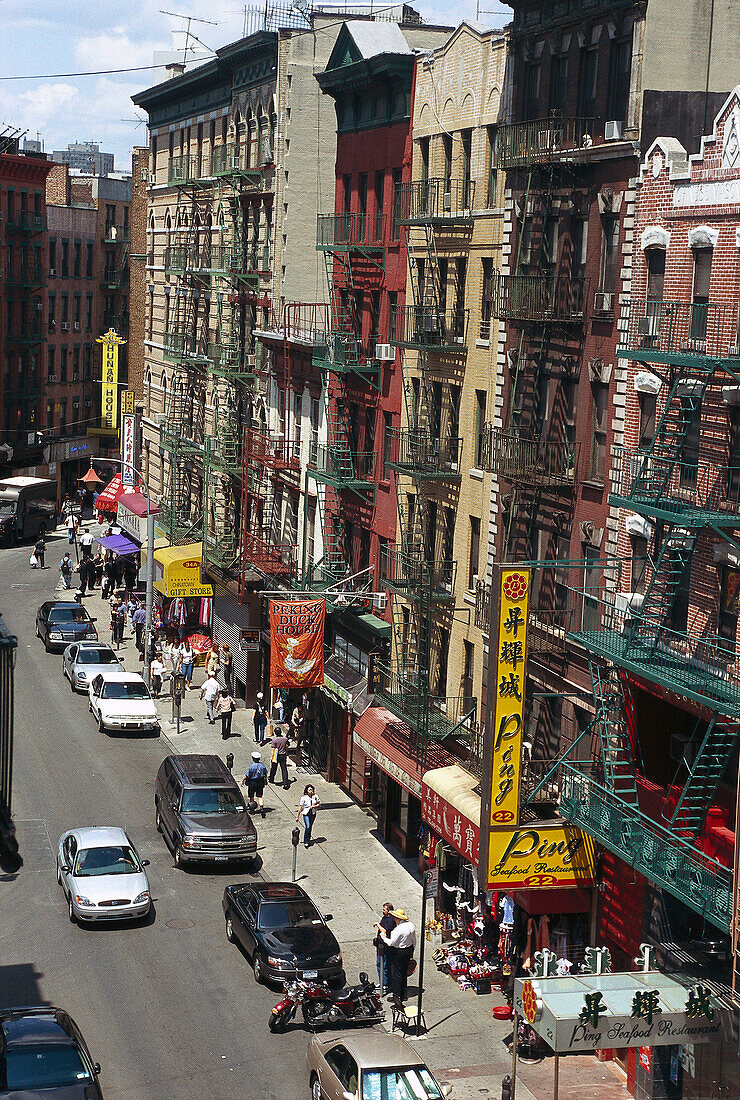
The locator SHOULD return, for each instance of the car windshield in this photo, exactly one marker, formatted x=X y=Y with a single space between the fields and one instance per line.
x=211 y=802
x=414 y=1083
x=71 y=614
x=43 y=1066
x=96 y=657
x=116 y=859
x=288 y=914
x=124 y=690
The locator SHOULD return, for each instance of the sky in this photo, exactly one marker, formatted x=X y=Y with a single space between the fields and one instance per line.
x=51 y=37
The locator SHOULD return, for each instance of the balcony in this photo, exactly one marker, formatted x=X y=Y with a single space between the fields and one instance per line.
x=660 y=486
x=116 y=234
x=542 y=298
x=188 y=170
x=345 y=353
x=429 y=329
x=25 y=221
x=431 y=717
x=114 y=279
x=704 y=667
x=273 y=560
x=414 y=453
x=175 y=260
x=664 y=858
x=230 y=160
x=273 y=450
x=508 y=453
x=28 y=278
x=434 y=201
x=28 y=334
x=685 y=333
x=417 y=577
x=543 y=141
x=182 y=348
x=344 y=232
x=228 y=359
x=337 y=465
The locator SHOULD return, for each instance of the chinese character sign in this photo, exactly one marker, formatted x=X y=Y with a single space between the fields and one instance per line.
x=297 y=643
x=509 y=686
x=109 y=407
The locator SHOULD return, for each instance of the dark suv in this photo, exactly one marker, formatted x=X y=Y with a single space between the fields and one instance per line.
x=200 y=811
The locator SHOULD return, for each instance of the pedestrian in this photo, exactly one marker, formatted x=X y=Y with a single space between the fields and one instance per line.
x=297 y=730
x=139 y=620
x=66 y=568
x=84 y=569
x=260 y=718
x=402 y=941
x=174 y=655
x=279 y=756
x=382 y=958
x=212 y=660
x=98 y=567
x=71 y=527
x=209 y=691
x=86 y=542
x=130 y=574
x=40 y=551
x=187 y=662
x=130 y=603
x=307 y=809
x=109 y=577
x=227 y=666
x=157 y=671
x=224 y=709
x=120 y=621
x=254 y=781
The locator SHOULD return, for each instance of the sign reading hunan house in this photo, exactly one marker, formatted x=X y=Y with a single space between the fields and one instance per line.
x=111 y=341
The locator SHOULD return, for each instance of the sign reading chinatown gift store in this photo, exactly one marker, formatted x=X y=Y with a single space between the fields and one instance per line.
x=109 y=405
x=297 y=643
x=507 y=727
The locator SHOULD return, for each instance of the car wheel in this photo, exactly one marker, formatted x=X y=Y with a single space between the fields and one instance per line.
x=316 y=1093
x=230 y=931
x=179 y=861
x=70 y=910
x=101 y=727
x=157 y=818
x=259 y=975
x=42 y=530
x=38 y=632
x=59 y=874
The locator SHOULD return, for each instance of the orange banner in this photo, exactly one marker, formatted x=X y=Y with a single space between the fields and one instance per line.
x=297 y=643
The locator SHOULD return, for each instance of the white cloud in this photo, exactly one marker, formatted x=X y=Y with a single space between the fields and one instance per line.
x=115 y=51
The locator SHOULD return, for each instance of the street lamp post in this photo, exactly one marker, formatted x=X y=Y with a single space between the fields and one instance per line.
x=149 y=563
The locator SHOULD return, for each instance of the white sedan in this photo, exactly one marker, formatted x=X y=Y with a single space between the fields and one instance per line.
x=102 y=875
x=120 y=700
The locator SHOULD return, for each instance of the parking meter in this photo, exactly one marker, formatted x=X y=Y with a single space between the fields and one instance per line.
x=295 y=837
x=177 y=690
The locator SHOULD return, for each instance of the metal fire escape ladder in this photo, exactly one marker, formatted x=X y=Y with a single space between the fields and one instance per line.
x=611 y=726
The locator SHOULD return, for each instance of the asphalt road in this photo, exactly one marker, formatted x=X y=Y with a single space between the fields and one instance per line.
x=169 y=1009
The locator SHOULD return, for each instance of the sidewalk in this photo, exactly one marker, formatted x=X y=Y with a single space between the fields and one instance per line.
x=464 y=1044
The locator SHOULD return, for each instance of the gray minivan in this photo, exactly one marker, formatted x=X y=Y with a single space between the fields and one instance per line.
x=200 y=812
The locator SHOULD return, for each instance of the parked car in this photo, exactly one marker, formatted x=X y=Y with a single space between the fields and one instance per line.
x=83 y=661
x=60 y=622
x=282 y=932
x=120 y=700
x=42 y=1053
x=369 y=1063
x=102 y=875
x=200 y=811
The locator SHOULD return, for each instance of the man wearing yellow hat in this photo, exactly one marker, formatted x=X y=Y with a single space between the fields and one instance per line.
x=399 y=945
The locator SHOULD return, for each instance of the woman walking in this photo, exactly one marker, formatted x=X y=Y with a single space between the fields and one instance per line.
x=307 y=810
x=187 y=659
x=255 y=780
x=224 y=709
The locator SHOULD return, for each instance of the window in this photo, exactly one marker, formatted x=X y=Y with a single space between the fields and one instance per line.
x=455 y=393
x=76 y=363
x=76 y=313
x=65 y=258
x=370 y=431
x=491 y=153
x=89 y=262
x=597 y=463
x=655 y=259
x=383 y=557
x=532 y=91
x=700 y=296
x=447 y=152
x=311 y=533
x=448 y=548
x=473 y=552
x=62 y=364
x=648 y=404
x=397 y=180
x=733 y=459
x=609 y=253
x=729 y=600
x=65 y=309
x=620 y=59
x=486 y=303
x=468 y=670
x=51 y=367
x=52 y=312
x=680 y=607
x=467 y=137
x=591 y=589
x=588 y=71
x=442 y=657
x=89 y=313
x=77 y=270
x=639 y=562
x=461 y=264
x=689 y=426
x=297 y=416
x=392 y=315
x=558 y=85
x=347 y=193
x=435 y=418
x=423 y=160
x=480 y=427
x=362 y=192
x=387 y=442
x=52 y=257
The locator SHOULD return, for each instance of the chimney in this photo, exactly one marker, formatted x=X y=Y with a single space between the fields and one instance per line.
x=175 y=68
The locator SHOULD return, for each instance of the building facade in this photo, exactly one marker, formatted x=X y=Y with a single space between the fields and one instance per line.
x=86 y=157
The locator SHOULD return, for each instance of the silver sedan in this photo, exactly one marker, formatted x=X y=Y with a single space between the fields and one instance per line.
x=82 y=661
x=102 y=875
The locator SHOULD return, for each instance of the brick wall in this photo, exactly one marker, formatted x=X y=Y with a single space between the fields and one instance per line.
x=58 y=186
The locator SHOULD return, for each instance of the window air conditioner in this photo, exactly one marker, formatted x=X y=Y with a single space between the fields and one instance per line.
x=51 y=378
x=447 y=201
x=380 y=601
x=65 y=326
x=385 y=353
x=649 y=325
x=77 y=326
x=603 y=302
x=613 y=130
x=52 y=272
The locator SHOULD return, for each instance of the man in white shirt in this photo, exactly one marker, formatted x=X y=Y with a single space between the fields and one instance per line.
x=86 y=542
x=399 y=946
x=209 y=691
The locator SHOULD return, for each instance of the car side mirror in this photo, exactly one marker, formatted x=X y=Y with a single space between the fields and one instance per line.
x=446 y=1090
x=328 y=916
x=349 y=1095
x=66 y=868
x=93 y=620
x=145 y=863
x=96 y=1067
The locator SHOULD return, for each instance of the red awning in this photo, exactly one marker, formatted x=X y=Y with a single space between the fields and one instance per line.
x=390 y=744
x=107 y=501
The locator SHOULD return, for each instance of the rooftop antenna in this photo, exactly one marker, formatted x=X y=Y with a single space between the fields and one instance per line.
x=188 y=34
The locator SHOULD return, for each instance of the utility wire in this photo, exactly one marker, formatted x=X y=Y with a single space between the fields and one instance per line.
x=99 y=72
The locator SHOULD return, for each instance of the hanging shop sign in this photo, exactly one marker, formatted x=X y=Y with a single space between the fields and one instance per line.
x=542 y=857
x=128 y=448
x=249 y=640
x=127 y=402
x=448 y=820
x=297 y=643
x=111 y=342
x=507 y=728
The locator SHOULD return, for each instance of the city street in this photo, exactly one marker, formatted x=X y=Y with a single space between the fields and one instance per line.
x=166 y=1007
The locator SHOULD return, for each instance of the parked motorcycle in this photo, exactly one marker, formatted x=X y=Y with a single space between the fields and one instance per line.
x=321 y=1007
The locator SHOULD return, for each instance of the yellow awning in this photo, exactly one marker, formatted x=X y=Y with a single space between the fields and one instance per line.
x=177 y=571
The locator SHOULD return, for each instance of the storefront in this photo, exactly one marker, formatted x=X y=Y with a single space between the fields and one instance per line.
x=183 y=603
x=342 y=699
x=68 y=460
x=126 y=544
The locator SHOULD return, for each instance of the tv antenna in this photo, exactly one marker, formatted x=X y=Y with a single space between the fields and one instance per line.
x=188 y=33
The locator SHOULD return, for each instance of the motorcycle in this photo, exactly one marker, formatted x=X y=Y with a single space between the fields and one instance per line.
x=358 y=1004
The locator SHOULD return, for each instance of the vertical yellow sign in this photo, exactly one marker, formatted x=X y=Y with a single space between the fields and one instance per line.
x=509 y=686
x=109 y=405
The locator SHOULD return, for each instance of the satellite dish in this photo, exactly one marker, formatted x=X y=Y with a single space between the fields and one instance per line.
x=303 y=7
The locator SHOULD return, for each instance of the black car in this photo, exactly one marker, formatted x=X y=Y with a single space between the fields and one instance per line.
x=43 y=1053
x=58 y=623
x=282 y=932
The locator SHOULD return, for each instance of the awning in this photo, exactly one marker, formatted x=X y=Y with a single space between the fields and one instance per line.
x=376 y=624
x=119 y=544
x=341 y=682
x=390 y=744
x=177 y=569
x=107 y=500
x=450 y=803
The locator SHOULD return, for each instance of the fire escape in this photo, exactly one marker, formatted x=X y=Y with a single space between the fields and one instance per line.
x=26 y=336
x=116 y=243
x=425 y=454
